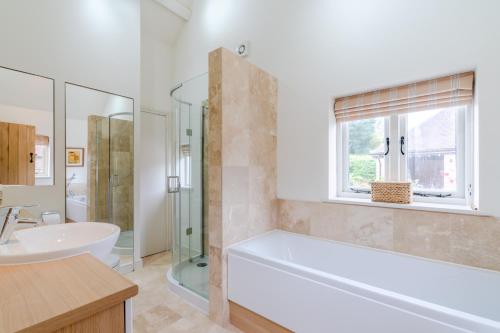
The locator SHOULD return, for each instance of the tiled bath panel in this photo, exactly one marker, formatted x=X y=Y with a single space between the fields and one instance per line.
x=156 y=309
x=462 y=239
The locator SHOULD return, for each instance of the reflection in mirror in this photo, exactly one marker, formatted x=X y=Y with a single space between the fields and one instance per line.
x=99 y=164
x=26 y=129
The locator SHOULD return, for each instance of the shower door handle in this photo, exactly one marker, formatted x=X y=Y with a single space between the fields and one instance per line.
x=173 y=184
x=115 y=180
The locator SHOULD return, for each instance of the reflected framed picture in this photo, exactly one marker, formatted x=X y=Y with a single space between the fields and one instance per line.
x=74 y=157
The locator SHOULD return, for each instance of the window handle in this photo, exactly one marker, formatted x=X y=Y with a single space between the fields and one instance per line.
x=387 y=142
x=402 y=145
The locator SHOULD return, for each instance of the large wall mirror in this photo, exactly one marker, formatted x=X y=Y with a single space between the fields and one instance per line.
x=26 y=129
x=99 y=162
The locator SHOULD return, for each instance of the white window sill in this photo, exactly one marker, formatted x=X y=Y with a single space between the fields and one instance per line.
x=424 y=206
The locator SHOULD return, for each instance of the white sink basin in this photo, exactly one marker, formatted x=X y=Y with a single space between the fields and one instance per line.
x=58 y=241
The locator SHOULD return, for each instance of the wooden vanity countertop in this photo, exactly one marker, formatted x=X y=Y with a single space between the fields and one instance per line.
x=46 y=296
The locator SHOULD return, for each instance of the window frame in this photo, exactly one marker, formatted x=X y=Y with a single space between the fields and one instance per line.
x=396 y=163
x=185 y=167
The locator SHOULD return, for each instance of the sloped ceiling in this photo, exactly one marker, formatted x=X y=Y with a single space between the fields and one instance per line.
x=158 y=21
x=26 y=91
x=186 y=3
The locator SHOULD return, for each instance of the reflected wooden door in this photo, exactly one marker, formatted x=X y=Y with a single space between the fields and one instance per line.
x=4 y=153
x=17 y=154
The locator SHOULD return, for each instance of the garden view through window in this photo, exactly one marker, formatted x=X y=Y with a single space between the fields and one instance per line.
x=366 y=139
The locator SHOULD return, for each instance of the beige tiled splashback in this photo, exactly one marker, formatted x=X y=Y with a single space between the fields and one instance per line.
x=463 y=239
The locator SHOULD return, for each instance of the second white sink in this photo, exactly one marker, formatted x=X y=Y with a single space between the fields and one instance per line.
x=58 y=241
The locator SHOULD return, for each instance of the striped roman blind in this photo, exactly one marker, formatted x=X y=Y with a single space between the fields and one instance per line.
x=452 y=90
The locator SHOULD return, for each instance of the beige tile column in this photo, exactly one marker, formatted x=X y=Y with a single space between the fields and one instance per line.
x=241 y=163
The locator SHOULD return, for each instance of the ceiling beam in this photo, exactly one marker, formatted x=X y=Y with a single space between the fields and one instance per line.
x=176 y=8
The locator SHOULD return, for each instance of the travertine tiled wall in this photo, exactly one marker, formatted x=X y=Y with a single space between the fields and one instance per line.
x=122 y=167
x=121 y=151
x=98 y=168
x=463 y=239
x=241 y=162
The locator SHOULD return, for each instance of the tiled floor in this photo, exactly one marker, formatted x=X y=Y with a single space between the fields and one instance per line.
x=157 y=309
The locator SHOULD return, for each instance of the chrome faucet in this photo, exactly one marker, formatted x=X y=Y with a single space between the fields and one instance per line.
x=9 y=219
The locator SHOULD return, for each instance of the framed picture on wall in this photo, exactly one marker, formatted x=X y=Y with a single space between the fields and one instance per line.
x=74 y=157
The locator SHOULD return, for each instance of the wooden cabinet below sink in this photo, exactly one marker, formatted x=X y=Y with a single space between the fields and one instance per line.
x=70 y=295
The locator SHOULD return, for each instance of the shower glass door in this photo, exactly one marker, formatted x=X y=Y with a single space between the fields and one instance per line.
x=190 y=242
x=121 y=182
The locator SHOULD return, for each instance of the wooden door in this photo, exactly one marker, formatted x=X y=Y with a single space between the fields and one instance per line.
x=17 y=154
x=4 y=153
x=155 y=235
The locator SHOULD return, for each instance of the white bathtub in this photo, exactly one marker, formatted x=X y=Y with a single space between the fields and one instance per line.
x=76 y=208
x=310 y=285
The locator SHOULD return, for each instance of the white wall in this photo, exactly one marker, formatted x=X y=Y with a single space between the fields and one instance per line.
x=77 y=138
x=156 y=73
x=320 y=49
x=159 y=29
x=42 y=120
x=93 y=43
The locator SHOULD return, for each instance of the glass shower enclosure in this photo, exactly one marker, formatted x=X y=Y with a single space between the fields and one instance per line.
x=186 y=185
x=112 y=178
x=121 y=183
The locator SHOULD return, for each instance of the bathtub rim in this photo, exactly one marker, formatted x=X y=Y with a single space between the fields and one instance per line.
x=390 y=298
x=235 y=246
x=77 y=202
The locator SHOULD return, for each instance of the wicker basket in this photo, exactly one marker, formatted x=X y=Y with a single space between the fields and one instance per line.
x=394 y=192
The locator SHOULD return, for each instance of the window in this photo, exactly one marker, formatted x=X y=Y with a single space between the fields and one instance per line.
x=436 y=150
x=424 y=139
x=364 y=152
x=185 y=166
x=42 y=157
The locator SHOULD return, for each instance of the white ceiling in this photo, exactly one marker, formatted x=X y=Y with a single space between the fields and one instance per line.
x=159 y=22
x=82 y=102
x=25 y=90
